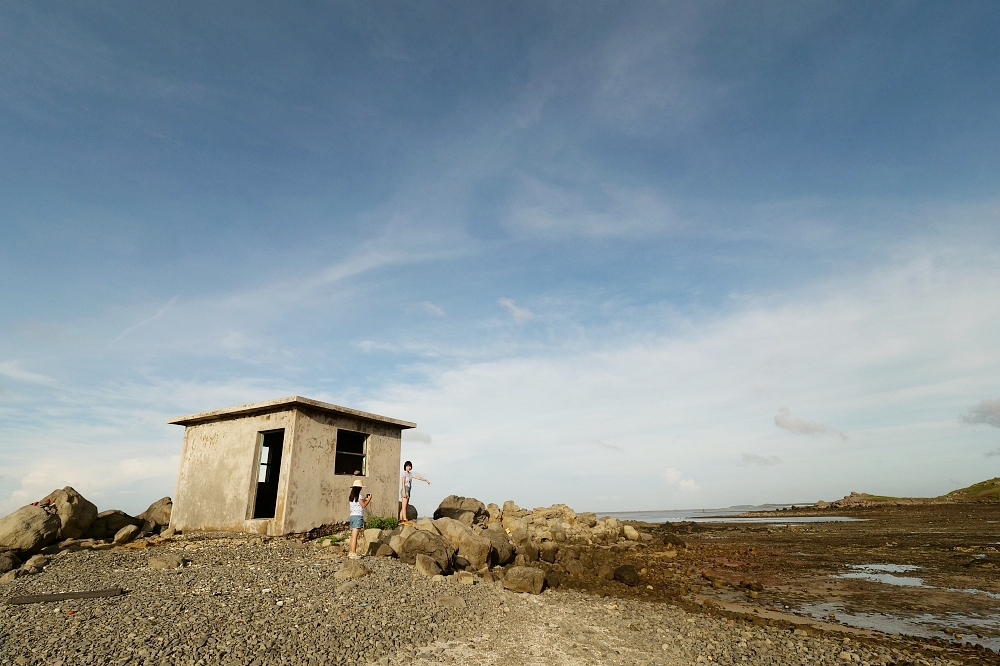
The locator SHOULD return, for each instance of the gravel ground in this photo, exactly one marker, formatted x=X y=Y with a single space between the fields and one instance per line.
x=244 y=600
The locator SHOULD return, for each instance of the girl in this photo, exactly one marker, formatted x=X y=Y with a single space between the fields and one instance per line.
x=358 y=505
x=406 y=483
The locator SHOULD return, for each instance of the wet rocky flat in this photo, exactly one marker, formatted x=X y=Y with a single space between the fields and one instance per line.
x=248 y=600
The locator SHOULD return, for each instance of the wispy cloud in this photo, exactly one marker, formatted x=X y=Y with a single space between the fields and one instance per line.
x=520 y=315
x=995 y=453
x=755 y=459
x=609 y=447
x=428 y=308
x=13 y=370
x=786 y=421
x=159 y=313
x=986 y=412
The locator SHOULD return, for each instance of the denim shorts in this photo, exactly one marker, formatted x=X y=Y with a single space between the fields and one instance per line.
x=357 y=522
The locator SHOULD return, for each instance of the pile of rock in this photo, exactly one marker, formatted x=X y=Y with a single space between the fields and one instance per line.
x=523 y=549
x=65 y=520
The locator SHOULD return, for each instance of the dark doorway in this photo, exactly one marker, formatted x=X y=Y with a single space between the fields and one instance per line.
x=350 y=453
x=267 y=473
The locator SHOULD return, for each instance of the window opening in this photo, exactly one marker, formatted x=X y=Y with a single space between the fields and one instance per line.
x=268 y=469
x=350 y=453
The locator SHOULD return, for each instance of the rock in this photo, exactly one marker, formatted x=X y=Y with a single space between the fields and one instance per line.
x=461 y=563
x=158 y=513
x=548 y=552
x=351 y=570
x=384 y=551
x=502 y=550
x=524 y=579
x=575 y=568
x=107 y=524
x=495 y=513
x=427 y=565
x=426 y=524
x=346 y=587
x=396 y=543
x=8 y=562
x=372 y=535
x=29 y=529
x=75 y=512
x=467 y=510
x=35 y=562
x=465 y=577
x=673 y=539
x=471 y=546
x=627 y=574
x=166 y=561
x=607 y=572
x=587 y=519
x=450 y=601
x=126 y=534
x=10 y=576
x=431 y=544
x=553 y=580
x=372 y=548
x=630 y=533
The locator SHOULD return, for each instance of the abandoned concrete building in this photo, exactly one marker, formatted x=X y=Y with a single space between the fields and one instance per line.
x=283 y=466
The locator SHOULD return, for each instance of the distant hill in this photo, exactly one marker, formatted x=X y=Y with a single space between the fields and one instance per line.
x=984 y=491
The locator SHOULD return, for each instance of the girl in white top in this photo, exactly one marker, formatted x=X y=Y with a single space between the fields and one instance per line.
x=405 y=485
x=357 y=516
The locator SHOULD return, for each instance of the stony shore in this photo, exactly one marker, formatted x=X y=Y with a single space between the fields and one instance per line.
x=249 y=600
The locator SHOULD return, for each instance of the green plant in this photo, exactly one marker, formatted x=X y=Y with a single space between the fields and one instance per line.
x=383 y=522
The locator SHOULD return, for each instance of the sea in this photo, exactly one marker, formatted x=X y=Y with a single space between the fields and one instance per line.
x=725 y=515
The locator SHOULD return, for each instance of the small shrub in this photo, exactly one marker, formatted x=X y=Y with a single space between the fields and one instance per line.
x=383 y=522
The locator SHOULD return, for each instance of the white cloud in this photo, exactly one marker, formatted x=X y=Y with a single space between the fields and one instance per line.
x=786 y=421
x=676 y=478
x=416 y=436
x=986 y=412
x=520 y=315
x=755 y=459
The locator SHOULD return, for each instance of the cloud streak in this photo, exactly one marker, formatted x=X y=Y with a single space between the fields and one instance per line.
x=763 y=461
x=519 y=314
x=786 y=421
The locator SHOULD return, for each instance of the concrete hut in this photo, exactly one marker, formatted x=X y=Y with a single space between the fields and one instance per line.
x=283 y=466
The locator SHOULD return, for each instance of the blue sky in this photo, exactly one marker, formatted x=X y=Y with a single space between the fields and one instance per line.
x=622 y=256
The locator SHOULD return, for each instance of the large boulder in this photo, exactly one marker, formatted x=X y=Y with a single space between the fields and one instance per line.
x=75 y=512
x=428 y=543
x=107 y=524
x=28 y=529
x=426 y=565
x=524 y=579
x=471 y=546
x=502 y=550
x=411 y=511
x=158 y=513
x=466 y=510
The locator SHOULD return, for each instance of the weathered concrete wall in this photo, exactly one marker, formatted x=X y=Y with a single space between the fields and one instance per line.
x=217 y=480
x=316 y=496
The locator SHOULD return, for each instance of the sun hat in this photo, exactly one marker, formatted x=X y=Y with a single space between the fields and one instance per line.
x=357 y=484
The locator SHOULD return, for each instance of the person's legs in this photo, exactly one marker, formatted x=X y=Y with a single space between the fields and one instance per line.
x=354 y=542
x=402 y=509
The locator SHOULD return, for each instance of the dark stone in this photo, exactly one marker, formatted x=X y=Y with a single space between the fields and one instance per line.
x=553 y=580
x=548 y=552
x=627 y=574
x=107 y=524
x=384 y=550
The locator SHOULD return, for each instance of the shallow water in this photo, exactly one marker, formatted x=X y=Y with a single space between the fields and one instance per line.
x=884 y=573
x=926 y=625
x=725 y=515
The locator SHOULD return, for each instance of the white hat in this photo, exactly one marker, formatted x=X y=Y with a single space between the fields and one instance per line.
x=357 y=484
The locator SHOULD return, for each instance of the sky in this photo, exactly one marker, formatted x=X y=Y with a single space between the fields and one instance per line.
x=625 y=256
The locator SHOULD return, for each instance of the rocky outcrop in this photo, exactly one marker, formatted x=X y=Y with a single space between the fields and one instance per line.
x=524 y=579
x=75 y=512
x=28 y=529
x=467 y=510
x=108 y=523
x=470 y=545
x=431 y=544
x=158 y=514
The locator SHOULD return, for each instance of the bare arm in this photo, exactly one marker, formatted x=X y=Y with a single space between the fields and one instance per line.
x=420 y=478
x=365 y=500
